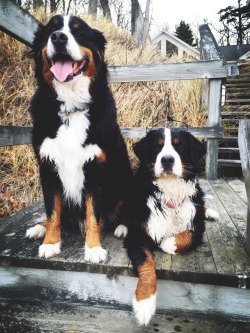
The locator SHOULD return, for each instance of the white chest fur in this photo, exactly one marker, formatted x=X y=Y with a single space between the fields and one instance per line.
x=69 y=156
x=171 y=221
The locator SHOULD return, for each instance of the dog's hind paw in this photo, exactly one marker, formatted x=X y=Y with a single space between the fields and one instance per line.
x=38 y=231
x=49 y=250
x=121 y=231
x=144 y=309
x=95 y=254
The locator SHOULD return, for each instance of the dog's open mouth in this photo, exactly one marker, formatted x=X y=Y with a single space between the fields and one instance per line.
x=65 y=68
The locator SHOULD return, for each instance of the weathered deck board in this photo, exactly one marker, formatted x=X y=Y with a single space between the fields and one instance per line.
x=213 y=262
x=235 y=207
x=226 y=242
x=239 y=187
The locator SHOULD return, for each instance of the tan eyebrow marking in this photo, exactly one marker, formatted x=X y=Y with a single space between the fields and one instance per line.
x=55 y=22
x=176 y=141
x=76 y=26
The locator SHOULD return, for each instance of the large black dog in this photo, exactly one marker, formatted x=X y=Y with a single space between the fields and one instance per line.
x=84 y=166
x=166 y=207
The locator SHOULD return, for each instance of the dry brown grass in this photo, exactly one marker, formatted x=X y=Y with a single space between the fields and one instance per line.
x=136 y=105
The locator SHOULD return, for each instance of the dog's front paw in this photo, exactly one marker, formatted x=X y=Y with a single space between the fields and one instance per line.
x=168 y=245
x=38 y=231
x=95 y=254
x=144 y=309
x=121 y=231
x=49 y=250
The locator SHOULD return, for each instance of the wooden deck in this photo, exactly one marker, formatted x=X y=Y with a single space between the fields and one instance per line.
x=216 y=261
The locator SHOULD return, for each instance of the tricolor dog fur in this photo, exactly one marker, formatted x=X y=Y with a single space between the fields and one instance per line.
x=166 y=207
x=84 y=166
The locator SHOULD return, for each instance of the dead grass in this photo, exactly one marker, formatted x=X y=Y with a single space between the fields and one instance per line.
x=136 y=106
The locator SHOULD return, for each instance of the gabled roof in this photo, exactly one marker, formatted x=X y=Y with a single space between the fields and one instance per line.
x=234 y=52
x=176 y=41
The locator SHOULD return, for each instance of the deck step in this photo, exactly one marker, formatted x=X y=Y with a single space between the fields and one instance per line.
x=235 y=113
x=228 y=150
x=238 y=78
x=229 y=163
x=238 y=100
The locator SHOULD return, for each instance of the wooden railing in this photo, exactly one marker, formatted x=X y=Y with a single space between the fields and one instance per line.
x=22 y=25
x=244 y=146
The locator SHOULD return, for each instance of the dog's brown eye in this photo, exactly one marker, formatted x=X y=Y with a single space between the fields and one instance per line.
x=160 y=142
x=176 y=141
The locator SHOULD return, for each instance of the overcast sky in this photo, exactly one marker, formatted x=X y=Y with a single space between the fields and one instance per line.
x=171 y=12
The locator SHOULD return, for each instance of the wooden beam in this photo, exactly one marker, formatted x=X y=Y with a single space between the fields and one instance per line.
x=16 y=135
x=16 y=22
x=167 y=72
x=199 y=132
x=244 y=147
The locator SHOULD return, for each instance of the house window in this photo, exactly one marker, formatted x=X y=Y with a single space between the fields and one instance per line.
x=171 y=49
x=234 y=70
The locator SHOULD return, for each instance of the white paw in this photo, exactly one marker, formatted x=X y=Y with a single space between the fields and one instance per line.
x=211 y=214
x=95 y=254
x=145 y=309
x=121 y=231
x=49 y=250
x=168 y=245
x=38 y=231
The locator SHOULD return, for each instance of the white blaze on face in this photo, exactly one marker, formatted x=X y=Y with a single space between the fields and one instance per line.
x=72 y=47
x=168 y=150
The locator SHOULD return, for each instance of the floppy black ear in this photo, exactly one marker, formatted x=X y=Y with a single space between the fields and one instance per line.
x=140 y=149
x=198 y=149
x=100 y=40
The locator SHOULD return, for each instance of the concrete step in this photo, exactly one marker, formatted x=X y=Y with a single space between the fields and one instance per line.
x=37 y=317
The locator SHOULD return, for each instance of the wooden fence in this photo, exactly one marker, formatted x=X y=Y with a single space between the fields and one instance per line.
x=22 y=25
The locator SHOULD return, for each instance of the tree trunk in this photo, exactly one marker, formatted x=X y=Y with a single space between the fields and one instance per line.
x=93 y=7
x=37 y=4
x=106 y=9
x=146 y=20
x=134 y=13
x=52 y=6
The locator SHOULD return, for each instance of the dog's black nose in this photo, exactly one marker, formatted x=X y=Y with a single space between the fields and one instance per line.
x=59 y=38
x=167 y=161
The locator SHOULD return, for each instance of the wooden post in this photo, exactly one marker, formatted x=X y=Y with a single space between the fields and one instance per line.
x=214 y=120
x=210 y=51
x=244 y=146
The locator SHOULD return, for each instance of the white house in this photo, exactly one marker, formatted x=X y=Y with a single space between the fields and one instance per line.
x=233 y=54
x=170 y=44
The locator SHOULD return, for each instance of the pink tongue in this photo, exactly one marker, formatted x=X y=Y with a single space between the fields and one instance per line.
x=62 y=69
